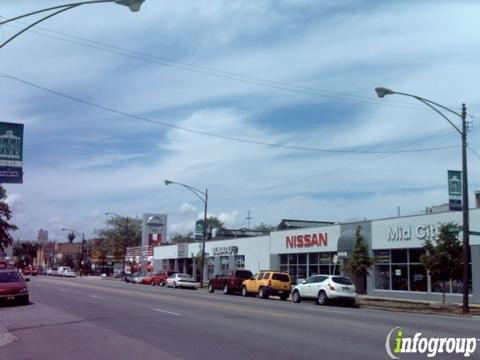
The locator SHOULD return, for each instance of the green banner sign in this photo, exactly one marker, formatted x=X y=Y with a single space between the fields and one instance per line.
x=11 y=153
x=455 y=190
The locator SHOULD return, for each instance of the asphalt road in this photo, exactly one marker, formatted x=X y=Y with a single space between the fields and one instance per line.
x=91 y=318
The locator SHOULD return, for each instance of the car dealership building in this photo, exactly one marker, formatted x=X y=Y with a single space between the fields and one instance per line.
x=395 y=245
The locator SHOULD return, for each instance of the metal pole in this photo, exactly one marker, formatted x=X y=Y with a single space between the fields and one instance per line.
x=466 y=222
x=202 y=269
x=126 y=243
x=82 y=261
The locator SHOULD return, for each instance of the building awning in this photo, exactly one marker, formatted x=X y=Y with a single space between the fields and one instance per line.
x=346 y=244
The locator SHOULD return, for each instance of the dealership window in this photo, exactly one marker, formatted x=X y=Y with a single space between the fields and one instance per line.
x=304 y=265
x=401 y=269
x=210 y=267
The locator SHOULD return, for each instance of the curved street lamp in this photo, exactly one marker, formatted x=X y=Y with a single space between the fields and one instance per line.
x=381 y=92
x=203 y=196
x=83 y=246
x=134 y=5
x=125 y=241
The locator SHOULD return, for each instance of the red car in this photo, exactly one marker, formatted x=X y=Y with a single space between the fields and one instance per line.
x=13 y=288
x=159 y=278
x=30 y=270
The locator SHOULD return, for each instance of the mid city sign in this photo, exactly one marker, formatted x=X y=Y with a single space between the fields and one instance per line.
x=404 y=233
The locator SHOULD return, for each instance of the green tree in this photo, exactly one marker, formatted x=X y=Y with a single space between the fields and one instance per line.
x=443 y=257
x=264 y=227
x=360 y=261
x=5 y=226
x=120 y=233
x=178 y=238
x=25 y=252
x=214 y=223
x=71 y=236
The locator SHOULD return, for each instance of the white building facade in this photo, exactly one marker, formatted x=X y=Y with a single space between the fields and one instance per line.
x=395 y=245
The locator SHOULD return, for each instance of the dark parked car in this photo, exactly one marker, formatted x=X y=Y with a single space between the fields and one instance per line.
x=230 y=281
x=13 y=288
x=128 y=277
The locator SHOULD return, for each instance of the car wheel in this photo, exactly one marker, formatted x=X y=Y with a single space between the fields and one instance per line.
x=210 y=288
x=244 y=291
x=175 y=285
x=262 y=293
x=162 y=284
x=322 y=298
x=226 y=290
x=25 y=300
x=296 y=298
x=152 y=283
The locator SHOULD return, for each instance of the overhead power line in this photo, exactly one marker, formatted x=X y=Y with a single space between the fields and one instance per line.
x=210 y=134
x=278 y=85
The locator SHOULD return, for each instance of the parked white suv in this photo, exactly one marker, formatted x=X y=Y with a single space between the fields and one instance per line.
x=324 y=288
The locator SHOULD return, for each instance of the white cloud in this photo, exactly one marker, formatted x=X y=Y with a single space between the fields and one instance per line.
x=81 y=161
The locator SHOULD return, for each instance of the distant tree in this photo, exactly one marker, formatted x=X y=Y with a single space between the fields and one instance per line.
x=214 y=223
x=178 y=238
x=71 y=236
x=443 y=257
x=360 y=261
x=264 y=227
x=25 y=252
x=119 y=233
x=5 y=226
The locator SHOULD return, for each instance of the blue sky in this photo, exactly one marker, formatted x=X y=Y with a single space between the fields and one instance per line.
x=299 y=74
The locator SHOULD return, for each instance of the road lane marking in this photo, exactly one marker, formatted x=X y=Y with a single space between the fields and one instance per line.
x=166 y=312
x=204 y=302
x=97 y=297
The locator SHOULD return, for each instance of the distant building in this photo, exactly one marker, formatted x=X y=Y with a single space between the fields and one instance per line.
x=42 y=236
x=237 y=233
x=154 y=229
x=300 y=224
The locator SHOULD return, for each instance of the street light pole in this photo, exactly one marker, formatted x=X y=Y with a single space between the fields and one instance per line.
x=203 y=198
x=134 y=5
x=381 y=92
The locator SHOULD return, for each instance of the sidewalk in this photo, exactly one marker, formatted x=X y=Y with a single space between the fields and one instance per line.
x=421 y=306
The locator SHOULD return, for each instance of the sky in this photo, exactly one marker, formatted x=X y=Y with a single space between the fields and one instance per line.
x=268 y=104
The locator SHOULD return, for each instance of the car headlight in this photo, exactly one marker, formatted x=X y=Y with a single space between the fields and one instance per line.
x=23 y=290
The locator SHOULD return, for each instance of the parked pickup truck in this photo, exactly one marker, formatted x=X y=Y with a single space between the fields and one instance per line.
x=230 y=281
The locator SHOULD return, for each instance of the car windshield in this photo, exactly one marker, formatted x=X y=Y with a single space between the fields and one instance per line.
x=9 y=277
x=184 y=276
x=342 y=280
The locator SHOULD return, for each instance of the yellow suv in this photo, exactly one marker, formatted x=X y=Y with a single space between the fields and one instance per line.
x=266 y=283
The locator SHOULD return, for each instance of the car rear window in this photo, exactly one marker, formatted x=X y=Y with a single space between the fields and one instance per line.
x=342 y=280
x=11 y=276
x=243 y=274
x=281 y=277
